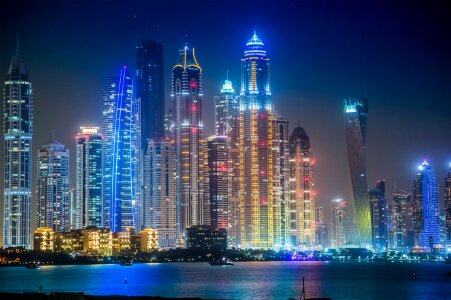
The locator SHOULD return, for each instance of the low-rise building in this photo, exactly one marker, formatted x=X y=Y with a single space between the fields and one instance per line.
x=44 y=239
x=203 y=237
x=148 y=239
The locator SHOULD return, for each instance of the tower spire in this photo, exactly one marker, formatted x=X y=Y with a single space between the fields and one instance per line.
x=227 y=76
x=255 y=32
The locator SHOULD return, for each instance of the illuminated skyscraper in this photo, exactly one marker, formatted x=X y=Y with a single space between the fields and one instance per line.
x=53 y=189
x=227 y=114
x=379 y=212
x=257 y=173
x=190 y=149
x=159 y=207
x=120 y=112
x=425 y=207
x=150 y=89
x=339 y=224
x=218 y=181
x=17 y=137
x=448 y=209
x=302 y=189
x=281 y=158
x=402 y=221
x=89 y=177
x=355 y=115
x=321 y=229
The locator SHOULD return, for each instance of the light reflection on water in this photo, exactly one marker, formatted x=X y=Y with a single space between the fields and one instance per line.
x=249 y=280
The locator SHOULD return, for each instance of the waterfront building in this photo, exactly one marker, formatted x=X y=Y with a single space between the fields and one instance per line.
x=302 y=189
x=227 y=114
x=202 y=237
x=425 y=208
x=321 y=229
x=190 y=148
x=159 y=191
x=148 y=239
x=402 y=221
x=44 y=239
x=218 y=181
x=98 y=241
x=256 y=137
x=52 y=187
x=89 y=178
x=17 y=142
x=120 y=130
x=379 y=212
x=339 y=224
x=448 y=209
x=355 y=116
x=70 y=242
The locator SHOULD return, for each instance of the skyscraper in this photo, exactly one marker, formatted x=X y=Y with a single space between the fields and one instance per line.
x=255 y=144
x=448 y=209
x=339 y=224
x=355 y=115
x=190 y=149
x=379 y=212
x=120 y=112
x=281 y=156
x=89 y=177
x=321 y=229
x=159 y=207
x=52 y=188
x=218 y=181
x=150 y=90
x=425 y=207
x=302 y=192
x=227 y=117
x=402 y=221
x=17 y=137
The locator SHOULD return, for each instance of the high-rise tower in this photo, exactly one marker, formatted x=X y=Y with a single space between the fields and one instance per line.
x=227 y=116
x=89 y=177
x=402 y=221
x=448 y=209
x=17 y=137
x=302 y=189
x=53 y=190
x=425 y=217
x=190 y=149
x=120 y=113
x=255 y=143
x=355 y=115
x=150 y=90
x=379 y=211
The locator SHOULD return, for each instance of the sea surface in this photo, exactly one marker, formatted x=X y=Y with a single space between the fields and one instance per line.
x=245 y=280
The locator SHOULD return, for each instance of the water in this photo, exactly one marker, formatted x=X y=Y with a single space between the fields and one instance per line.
x=246 y=280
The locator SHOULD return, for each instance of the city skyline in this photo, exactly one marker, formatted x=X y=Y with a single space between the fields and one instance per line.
x=343 y=190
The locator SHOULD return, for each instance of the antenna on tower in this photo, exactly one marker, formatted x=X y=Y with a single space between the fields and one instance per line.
x=186 y=39
x=255 y=32
x=227 y=77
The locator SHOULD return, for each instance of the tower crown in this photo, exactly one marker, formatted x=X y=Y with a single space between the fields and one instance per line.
x=255 y=47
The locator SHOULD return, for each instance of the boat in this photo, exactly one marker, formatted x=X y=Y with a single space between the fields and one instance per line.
x=33 y=266
x=221 y=262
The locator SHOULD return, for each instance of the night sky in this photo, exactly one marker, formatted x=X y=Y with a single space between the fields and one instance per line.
x=398 y=55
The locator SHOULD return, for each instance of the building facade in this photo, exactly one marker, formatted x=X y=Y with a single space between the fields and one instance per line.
x=355 y=116
x=17 y=141
x=402 y=221
x=379 y=211
x=448 y=209
x=257 y=168
x=201 y=237
x=159 y=191
x=425 y=216
x=302 y=189
x=89 y=178
x=52 y=187
x=218 y=181
x=190 y=148
x=339 y=224
x=120 y=116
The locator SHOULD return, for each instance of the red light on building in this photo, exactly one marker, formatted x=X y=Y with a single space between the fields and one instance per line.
x=262 y=115
x=263 y=144
x=194 y=130
x=194 y=107
x=306 y=179
x=264 y=201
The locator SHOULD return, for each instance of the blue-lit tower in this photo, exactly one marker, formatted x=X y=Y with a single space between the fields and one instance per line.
x=17 y=137
x=448 y=209
x=425 y=207
x=356 y=115
x=257 y=168
x=120 y=114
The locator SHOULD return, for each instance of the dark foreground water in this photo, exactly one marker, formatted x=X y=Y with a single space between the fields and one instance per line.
x=249 y=280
